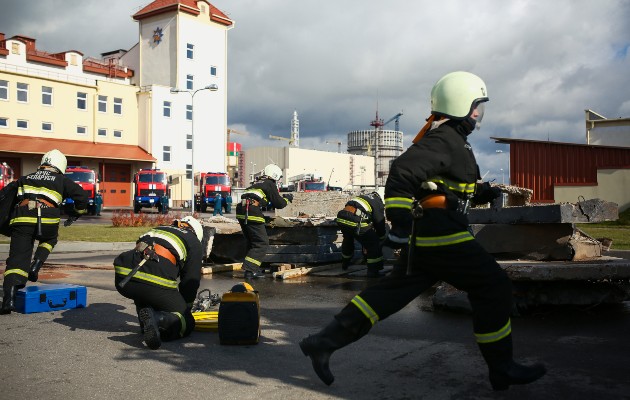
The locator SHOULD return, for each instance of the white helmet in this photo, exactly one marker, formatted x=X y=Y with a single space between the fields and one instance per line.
x=195 y=225
x=55 y=158
x=273 y=171
x=455 y=95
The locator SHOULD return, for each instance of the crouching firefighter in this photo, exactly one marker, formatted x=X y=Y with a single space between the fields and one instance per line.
x=363 y=219
x=262 y=193
x=36 y=216
x=149 y=276
x=427 y=194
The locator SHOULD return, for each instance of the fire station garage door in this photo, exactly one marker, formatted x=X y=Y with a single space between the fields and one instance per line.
x=116 y=184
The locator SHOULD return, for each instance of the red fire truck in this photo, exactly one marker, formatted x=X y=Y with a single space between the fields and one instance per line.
x=6 y=174
x=308 y=183
x=150 y=185
x=208 y=185
x=86 y=178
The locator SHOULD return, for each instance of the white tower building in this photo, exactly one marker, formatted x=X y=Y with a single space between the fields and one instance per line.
x=183 y=46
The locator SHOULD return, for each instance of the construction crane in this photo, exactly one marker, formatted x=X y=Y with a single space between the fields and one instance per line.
x=290 y=140
x=337 y=142
x=396 y=118
x=230 y=131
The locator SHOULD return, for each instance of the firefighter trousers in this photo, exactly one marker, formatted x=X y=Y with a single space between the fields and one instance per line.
x=160 y=299
x=370 y=241
x=23 y=238
x=257 y=243
x=465 y=265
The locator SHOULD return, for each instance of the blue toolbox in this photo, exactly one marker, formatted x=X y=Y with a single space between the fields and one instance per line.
x=50 y=297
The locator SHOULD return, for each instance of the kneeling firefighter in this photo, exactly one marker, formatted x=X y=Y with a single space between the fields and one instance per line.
x=427 y=194
x=363 y=219
x=149 y=275
x=36 y=216
x=252 y=220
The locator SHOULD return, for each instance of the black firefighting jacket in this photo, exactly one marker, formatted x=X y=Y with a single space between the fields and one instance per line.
x=444 y=157
x=264 y=192
x=370 y=212
x=183 y=245
x=47 y=188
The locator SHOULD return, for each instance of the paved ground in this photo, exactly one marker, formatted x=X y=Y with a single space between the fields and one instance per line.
x=97 y=353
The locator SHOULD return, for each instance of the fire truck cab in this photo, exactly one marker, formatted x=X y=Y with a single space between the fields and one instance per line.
x=86 y=178
x=149 y=186
x=208 y=185
x=308 y=183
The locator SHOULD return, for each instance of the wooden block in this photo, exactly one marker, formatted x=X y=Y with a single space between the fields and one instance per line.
x=301 y=271
x=211 y=269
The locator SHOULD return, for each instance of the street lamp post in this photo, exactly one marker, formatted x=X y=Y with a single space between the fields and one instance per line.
x=213 y=87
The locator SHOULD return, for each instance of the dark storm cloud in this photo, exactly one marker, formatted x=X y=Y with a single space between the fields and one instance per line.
x=334 y=61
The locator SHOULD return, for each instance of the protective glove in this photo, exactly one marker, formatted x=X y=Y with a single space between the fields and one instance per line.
x=289 y=197
x=486 y=193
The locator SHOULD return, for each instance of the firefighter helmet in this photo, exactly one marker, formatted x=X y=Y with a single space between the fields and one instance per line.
x=272 y=171
x=194 y=225
x=457 y=94
x=55 y=158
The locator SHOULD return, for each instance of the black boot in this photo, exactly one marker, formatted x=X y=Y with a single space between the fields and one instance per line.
x=150 y=328
x=319 y=347
x=33 y=273
x=503 y=370
x=8 y=302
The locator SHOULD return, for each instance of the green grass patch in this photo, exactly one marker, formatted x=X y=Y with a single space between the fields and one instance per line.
x=96 y=233
x=620 y=235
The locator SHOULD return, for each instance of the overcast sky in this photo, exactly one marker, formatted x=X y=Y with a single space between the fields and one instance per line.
x=544 y=62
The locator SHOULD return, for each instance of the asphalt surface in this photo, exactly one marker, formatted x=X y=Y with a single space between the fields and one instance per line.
x=97 y=352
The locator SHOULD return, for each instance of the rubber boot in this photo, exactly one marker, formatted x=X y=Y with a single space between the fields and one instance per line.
x=33 y=272
x=503 y=370
x=319 y=347
x=8 y=302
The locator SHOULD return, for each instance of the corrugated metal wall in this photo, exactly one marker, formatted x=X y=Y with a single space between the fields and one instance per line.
x=541 y=165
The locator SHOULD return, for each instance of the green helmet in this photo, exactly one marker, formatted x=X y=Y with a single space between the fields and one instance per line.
x=456 y=94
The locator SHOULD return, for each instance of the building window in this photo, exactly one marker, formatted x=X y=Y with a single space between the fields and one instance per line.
x=166 y=153
x=4 y=122
x=167 y=109
x=117 y=106
x=189 y=141
x=202 y=8
x=4 y=90
x=189 y=82
x=22 y=92
x=188 y=171
x=22 y=124
x=81 y=130
x=47 y=126
x=189 y=110
x=102 y=104
x=47 y=95
x=190 y=50
x=82 y=101
x=15 y=48
x=102 y=132
x=213 y=71
x=118 y=134
x=73 y=59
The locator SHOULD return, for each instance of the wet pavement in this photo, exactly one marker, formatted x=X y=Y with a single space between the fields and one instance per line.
x=97 y=353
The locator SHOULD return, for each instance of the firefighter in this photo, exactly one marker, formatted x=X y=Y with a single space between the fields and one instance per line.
x=98 y=204
x=252 y=220
x=363 y=219
x=218 y=205
x=36 y=216
x=427 y=195
x=163 y=304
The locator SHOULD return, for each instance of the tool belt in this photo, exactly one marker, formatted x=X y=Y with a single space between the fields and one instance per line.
x=434 y=201
x=252 y=202
x=43 y=203
x=164 y=252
